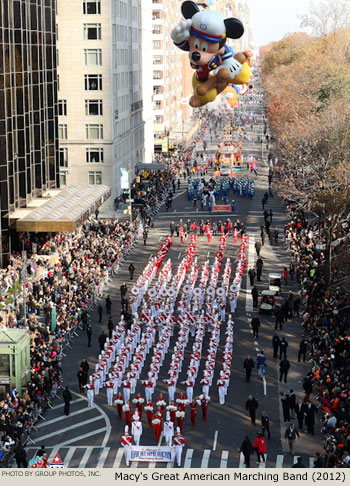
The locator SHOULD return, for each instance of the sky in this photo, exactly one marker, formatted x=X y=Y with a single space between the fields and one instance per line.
x=271 y=20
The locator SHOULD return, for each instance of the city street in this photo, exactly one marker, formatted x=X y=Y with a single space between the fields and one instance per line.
x=90 y=437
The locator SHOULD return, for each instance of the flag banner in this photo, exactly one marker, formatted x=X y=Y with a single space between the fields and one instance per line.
x=152 y=454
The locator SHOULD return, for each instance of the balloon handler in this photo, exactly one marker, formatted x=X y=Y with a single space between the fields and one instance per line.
x=203 y=34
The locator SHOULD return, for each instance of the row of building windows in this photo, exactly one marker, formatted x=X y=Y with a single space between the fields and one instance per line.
x=94 y=178
x=92 y=107
x=92 y=131
x=93 y=155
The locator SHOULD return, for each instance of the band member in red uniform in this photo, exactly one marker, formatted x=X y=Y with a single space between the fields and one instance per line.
x=126 y=442
x=149 y=410
x=181 y=402
x=161 y=402
x=127 y=413
x=158 y=423
x=119 y=401
x=203 y=401
x=172 y=410
x=138 y=401
x=193 y=406
x=180 y=415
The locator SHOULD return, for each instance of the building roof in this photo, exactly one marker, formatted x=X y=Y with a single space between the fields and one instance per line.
x=65 y=211
x=11 y=336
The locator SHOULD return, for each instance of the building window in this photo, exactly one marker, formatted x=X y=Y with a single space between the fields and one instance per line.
x=156 y=15
x=93 y=57
x=62 y=131
x=158 y=119
x=157 y=105
x=63 y=157
x=92 y=7
x=93 y=107
x=92 y=31
x=93 y=82
x=94 y=132
x=157 y=44
x=94 y=155
x=95 y=177
x=157 y=74
x=157 y=90
x=63 y=179
x=62 y=107
x=157 y=29
x=157 y=59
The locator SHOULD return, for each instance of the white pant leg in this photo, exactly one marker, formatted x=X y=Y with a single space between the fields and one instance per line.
x=178 y=452
x=127 y=454
x=137 y=438
x=90 y=397
x=205 y=390
x=110 y=396
x=222 y=395
x=126 y=394
x=96 y=387
x=171 y=391
x=190 y=393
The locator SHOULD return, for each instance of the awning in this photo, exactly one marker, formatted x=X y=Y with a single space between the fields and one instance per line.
x=153 y=166
x=66 y=211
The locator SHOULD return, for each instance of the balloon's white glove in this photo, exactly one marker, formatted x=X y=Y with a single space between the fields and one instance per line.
x=182 y=31
x=232 y=65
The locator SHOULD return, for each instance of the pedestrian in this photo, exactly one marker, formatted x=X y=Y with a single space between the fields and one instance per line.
x=310 y=411
x=302 y=349
x=89 y=334
x=285 y=275
x=131 y=271
x=255 y=295
x=248 y=365
x=275 y=344
x=20 y=455
x=299 y=462
x=284 y=368
x=247 y=450
x=102 y=340
x=67 y=397
x=290 y=435
x=108 y=305
x=300 y=411
x=263 y=202
x=179 y=443
x=252 y=276
x=258 y=247
x=84 y=365
x=172 y=228
x=252 y=406
x=123 y=289
x=81 y=379
x=318 y=460
x=283 y=347
x=255 y=323
x=279 y=319
x=265 y=425
x=260 y=447
x=259 y=267
x=293 y=400
x=100 y=312
x=285 y=400
x=261 y=364
x=296 y=305
x=145 y=235
x=110 y=327
x=308 y=386
x=291 y=270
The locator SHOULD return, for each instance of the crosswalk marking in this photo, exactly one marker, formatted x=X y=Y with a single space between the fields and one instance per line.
x=103 y=457
x=66 y=429
x=224 y=459
x=279 y=461
x=118 y=457
x=188 y=458
x=170 y=464
x=134 y=464
x=205 y=458
x=58 y=419
x=263 y=464
x=86 y=457
x=73 y=401
x=295 y=459
x=52 y=455
x=241 y=460
x=152 y=464
x=81 y=437
x=69 y=456
x=311 y=462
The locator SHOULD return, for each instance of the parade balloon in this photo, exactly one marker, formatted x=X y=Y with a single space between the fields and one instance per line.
x=230 y=95
x=203 y=35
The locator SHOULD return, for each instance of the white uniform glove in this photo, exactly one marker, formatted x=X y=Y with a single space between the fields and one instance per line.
x=232 y=65
x=182 y=31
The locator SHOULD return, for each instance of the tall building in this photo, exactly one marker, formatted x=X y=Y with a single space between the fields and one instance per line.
x=28 y=108
x=101 y=103
x=243 y=13
x=166 y=14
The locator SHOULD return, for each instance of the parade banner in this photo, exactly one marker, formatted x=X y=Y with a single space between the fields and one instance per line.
x=152 y=454
x=222 y=207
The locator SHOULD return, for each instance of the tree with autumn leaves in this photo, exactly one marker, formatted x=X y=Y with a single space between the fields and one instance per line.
x=307 y=84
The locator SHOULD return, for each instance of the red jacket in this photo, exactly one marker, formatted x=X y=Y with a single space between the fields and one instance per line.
x=260 y=445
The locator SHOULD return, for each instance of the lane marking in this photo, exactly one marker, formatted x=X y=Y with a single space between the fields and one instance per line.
x=152 y=465
x=84 y=436
x=66 y=429
x=311 y=462
x=118 y=458
x=188 y=458
x=62 y=405
x=205 y=458
x=58 y=419
x=86 y=457
x=264 y=385
x=160 y=439
x=215 y=440
x=224 y=459
x=69 y=456
x=103 y=457
x=241 y=460
x=279 y=461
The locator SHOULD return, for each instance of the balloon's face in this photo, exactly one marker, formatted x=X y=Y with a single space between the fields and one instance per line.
x=202 y=51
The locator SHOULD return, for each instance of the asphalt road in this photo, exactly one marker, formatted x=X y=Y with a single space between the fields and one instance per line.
x=91 y=437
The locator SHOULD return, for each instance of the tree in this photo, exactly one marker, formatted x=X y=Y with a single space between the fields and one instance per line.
x=326 y=17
